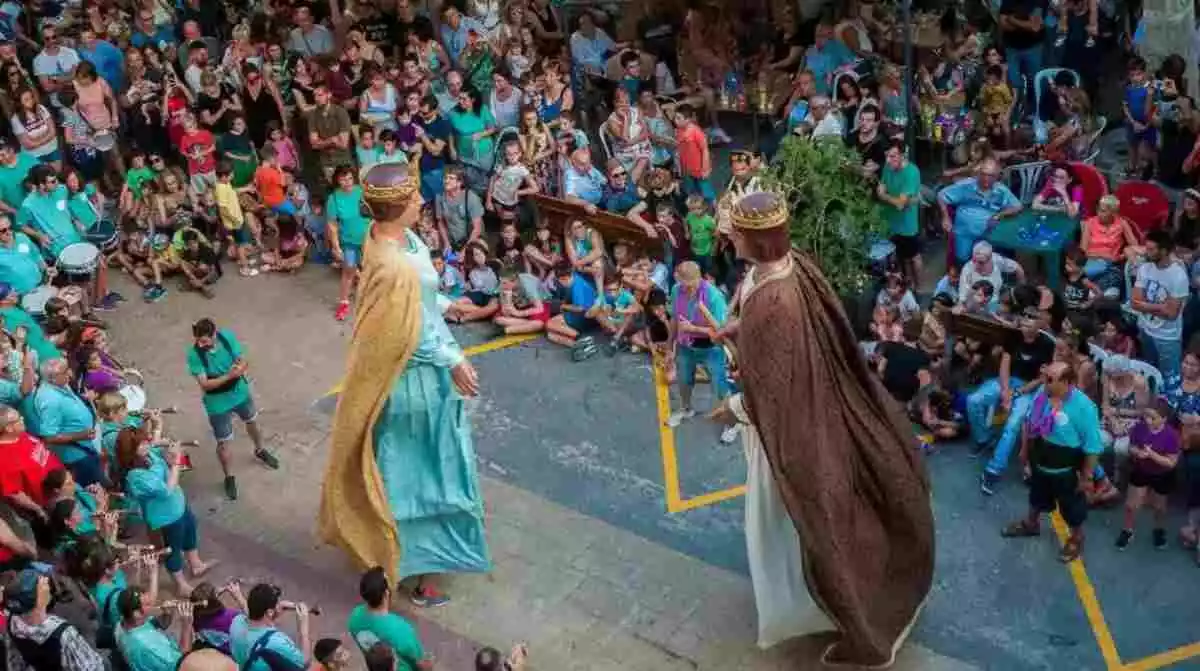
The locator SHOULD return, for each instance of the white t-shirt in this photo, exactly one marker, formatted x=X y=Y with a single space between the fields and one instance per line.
x=509 y=179
x=60 y=64
x=969 y=276
x=1157 y=285
x=35 y=127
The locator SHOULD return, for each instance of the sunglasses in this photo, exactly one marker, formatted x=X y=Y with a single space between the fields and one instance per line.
x=618 y=174
x=5 y=230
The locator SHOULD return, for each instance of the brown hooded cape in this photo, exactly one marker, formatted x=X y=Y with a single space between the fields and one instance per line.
x=844 y=457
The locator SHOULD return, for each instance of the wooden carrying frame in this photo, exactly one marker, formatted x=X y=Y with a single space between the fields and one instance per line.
x=558 y=215
x=983 y=329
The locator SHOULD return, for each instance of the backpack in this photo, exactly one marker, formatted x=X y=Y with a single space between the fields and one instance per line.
x=44 y=656
x=203 y=355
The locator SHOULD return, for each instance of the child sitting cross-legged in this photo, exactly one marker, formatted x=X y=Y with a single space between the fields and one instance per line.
x=577 y=309
x=617 y=308
x=291 y=245
x=449 y=281
x=479 y=301
x=520 y=312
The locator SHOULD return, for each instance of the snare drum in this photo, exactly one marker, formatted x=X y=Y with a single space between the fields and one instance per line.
x=78 y=261
x=104 y=235
x=135 y=397
x=34 y=302
x=882 y=258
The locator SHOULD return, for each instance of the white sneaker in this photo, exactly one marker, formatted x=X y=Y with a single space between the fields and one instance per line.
x=679 y=416
x=730 y=434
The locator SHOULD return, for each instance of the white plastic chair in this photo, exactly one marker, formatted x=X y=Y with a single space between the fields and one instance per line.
x=605 y=140
x=1098 y=353
x=1154 y=378
x=1028 y=178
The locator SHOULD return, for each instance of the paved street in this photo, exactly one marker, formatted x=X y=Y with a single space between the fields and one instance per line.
x=618 y=545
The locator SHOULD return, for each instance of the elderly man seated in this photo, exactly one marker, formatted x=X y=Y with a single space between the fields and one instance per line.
x=583 y=184
x=979 y=203
x=67 y=423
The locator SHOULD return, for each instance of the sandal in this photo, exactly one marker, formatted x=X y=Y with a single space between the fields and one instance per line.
x=1021 y=529
x=1071 y=550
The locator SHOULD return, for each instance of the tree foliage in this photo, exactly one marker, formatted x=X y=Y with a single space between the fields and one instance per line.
x=834 y=212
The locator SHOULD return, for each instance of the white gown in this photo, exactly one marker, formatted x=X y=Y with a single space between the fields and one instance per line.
x=785 y=607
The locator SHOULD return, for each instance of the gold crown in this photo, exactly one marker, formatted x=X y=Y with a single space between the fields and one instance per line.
x=397 y=183
x=760 y=210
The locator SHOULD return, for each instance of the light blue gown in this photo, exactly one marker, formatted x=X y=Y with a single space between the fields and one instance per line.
x=423 y=446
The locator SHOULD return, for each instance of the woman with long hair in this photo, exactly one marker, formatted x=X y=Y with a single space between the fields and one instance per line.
x=472 y=142
x=149 y=471
x=537 y=148
x=97 y=105
x=34 y=127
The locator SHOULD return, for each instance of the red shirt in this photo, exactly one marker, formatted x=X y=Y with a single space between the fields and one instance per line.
x=691 y=145
x=24 y=464
x=269 y=182
x=201 y=152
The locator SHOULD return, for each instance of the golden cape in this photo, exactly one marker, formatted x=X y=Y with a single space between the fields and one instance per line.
x=355 y=514
x=845 y=460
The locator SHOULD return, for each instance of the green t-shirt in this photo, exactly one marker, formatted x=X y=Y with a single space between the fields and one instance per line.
x=14 y=317
x=369 y=628
x=136 y=177
x=703 y=229
x=12 y=179
x=81 y=207
x=346 y=207
x=903 y=182
x=225 y=351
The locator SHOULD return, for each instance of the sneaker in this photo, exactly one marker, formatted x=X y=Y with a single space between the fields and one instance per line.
x=157 y=293
x=680 y=416
x=729 y=434
x=105 y=305
x=987 y=483
x=1123 y=538
x=342 y=311
x=230 y=488
x=428 y=597
x=269 y=460
x=115 y=297
x=1160 y=539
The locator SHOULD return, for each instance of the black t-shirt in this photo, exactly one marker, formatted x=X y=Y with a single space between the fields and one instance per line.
x=903 y=364
x=1029 y=357
x=1023 y=9
x=874 y=150
x=1188 y=232
x=1076 y=293
x=377 y=29
x=1177 y=143
x=399 y=30
x=782 y=45
x=204 y=255
x=212 y=105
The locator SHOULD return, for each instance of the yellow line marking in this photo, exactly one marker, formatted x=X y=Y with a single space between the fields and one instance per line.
x=1091 y=604
x=666 y=441
x=1165 y=658
x=483 y=348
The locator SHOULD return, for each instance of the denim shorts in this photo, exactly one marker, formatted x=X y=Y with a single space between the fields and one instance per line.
x=241 y=235
x=351 y=255
x=222 y=423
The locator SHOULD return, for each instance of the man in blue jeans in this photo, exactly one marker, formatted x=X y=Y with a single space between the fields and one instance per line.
x=1023 y=34
x=1020 y=373
x=695 y=305
x=218 y=363
x=979 y=204
x=1160 y=290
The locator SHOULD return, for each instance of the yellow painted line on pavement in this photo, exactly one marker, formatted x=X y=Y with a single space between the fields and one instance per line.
x=483 y=348
x=1167 y=658
x=1091 y=604
x=666 y=440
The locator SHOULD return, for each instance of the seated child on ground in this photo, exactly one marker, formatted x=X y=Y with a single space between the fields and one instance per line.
x=479 y=301
x=577 y=310
x=896 y=293
x=520 y=312
x=449 y=282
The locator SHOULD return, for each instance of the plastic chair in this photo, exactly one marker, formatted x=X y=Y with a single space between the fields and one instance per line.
x=1028 y=179
x=605 y=140
x=1144 y=204
x=1041 y=81
x=1154 y=378
x=1098 y=353
x=1093 y=184
x=1094 y=140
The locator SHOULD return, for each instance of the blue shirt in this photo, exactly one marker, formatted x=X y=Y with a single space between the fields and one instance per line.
x=148 y=486
x=109 y=62
x=621 y=201
x=49 y=215
x=148 y=648
x=588 y=187
x=21 y=264
x=1077 y=425
x=243 y=636
x=591 y=52
x=162 y=34
x=455 y=41
x=973 y=208
x=58 y=410
x=581 y=294
x=823 y=61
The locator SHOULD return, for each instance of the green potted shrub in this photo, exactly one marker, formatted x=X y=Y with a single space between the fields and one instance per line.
x=834 y=215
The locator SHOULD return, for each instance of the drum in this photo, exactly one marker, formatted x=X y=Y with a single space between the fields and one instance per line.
x=882 y=258
x=104 y=140
x=34 y=302
x=135 y=397
x=104 y=235
x=78 y=261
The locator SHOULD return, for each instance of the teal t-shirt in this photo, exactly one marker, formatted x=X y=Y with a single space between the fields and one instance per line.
x=81 y=207
x=466 y=124
x=623 y=300
x=58 y=410
x=148 y=487
x=10 y=392
x=12 y=179
x=148 y=648
x=102 y=592
x=242 y=638
x=369 y=628
x=109 y=431
x=21 y=264
x=220 y=360
x=15 y=317
x=49 y=215
x=346 y=207
x=903 y=182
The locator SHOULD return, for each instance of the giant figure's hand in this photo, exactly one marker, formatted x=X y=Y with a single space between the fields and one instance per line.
x=723 y=414
x=465 y=379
